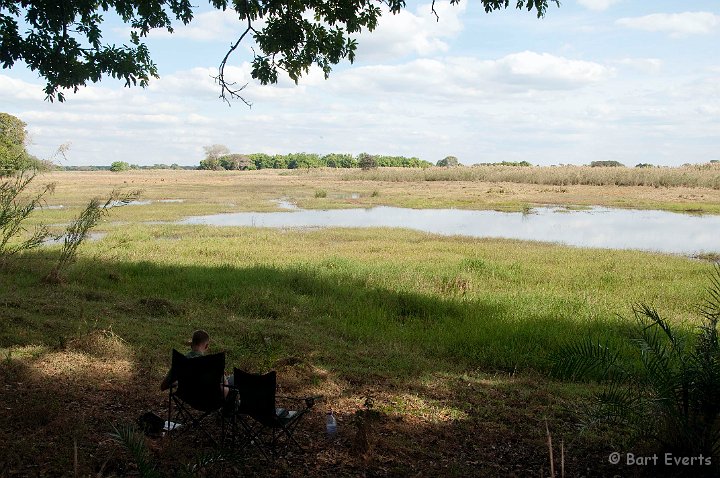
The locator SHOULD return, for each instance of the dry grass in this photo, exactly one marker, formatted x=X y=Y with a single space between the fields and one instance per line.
x=693 y=176
x=207 y=192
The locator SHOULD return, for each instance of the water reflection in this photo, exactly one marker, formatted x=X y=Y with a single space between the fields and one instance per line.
x=595 y=227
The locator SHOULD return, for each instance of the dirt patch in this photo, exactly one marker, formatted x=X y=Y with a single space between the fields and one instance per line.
x=61 y=402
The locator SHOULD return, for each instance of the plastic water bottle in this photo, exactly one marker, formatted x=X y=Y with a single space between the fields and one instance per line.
x=330 y=425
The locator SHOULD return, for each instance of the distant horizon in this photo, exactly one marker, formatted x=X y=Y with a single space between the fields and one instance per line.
x=196 y=165
x=633 y=82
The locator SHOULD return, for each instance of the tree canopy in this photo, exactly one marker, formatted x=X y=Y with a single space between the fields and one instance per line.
x=63 y=40
x=13 y=155
x=448 y=162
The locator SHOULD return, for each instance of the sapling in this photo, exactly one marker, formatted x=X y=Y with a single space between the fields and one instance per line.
x=78 y=230
x=15 y=208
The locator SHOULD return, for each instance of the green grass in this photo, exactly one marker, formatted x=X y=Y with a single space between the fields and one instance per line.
x=386 y=302
x=453 y=337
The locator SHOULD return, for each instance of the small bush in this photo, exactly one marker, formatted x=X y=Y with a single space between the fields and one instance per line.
x=448 y=162
x=320 y=193
x=16 y=206
x=606 y=164
x=78 y=230
x=366 y=161
x=118 y=166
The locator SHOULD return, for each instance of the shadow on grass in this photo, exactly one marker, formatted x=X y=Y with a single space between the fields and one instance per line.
x=262 y=314
x=101 y=343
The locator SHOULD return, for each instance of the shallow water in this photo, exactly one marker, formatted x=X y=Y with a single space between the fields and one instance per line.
x=91 y=236
x=595 y=227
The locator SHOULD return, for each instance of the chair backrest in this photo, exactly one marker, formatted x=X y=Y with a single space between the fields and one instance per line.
x=200 y=380
x=257 y=395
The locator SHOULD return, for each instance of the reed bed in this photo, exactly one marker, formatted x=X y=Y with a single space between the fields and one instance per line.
x=695 y=176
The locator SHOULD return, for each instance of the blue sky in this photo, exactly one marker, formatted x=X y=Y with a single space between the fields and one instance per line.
x=635 y=81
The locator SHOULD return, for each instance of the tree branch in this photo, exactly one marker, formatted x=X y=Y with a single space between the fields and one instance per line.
x=228 y=88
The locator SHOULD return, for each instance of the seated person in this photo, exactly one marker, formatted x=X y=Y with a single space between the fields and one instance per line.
x=198 y=347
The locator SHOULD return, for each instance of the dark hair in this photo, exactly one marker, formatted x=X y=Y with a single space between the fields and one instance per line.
x=199 y=337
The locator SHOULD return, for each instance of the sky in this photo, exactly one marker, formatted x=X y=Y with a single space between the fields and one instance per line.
x=634 y=81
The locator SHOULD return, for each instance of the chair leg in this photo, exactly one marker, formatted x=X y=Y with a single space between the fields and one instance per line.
x=169 y=420
x=291 y=438
x=254 y=438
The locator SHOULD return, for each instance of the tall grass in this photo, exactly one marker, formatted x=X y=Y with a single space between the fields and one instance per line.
x=381 y=301
x=707 y=175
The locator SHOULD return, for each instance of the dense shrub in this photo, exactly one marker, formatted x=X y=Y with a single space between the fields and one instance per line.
x=13 y=155
x=366 y=161
x=118 y=166
x=212 y=164
x=606 y=164
x=448 y=162
x=303 y=160
x=236 y=162
x=335 y=160
x=262 y=160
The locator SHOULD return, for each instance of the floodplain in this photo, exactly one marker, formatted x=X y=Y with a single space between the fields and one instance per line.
x=434 y=352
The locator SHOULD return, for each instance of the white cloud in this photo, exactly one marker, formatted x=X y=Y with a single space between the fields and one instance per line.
x=408 y=33
x=453 y=78
x=642 y=65
x=11 y=88
x=215 y=25
x=597 y=5
x=676 y=24
x=196 y=82
x=543 y=70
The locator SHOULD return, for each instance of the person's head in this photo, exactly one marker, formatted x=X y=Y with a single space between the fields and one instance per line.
x=200 y=341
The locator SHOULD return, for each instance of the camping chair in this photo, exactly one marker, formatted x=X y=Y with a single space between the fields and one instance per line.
x=197 y=390
x=257 y=417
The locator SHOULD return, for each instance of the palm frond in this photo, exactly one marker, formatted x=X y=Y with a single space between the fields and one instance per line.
x=134 y=442
x=586 y=359
x=617 y=405
x=673 y=398
x=649 y=319
x=710 y=309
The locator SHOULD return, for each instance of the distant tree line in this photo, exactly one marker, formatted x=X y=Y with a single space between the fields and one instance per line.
x=505 y=163
x=119 y=166
x=217 y=158
x=606 y=164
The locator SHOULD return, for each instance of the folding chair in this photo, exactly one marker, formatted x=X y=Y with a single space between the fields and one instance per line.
x=197 y=391
x=264 y=425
